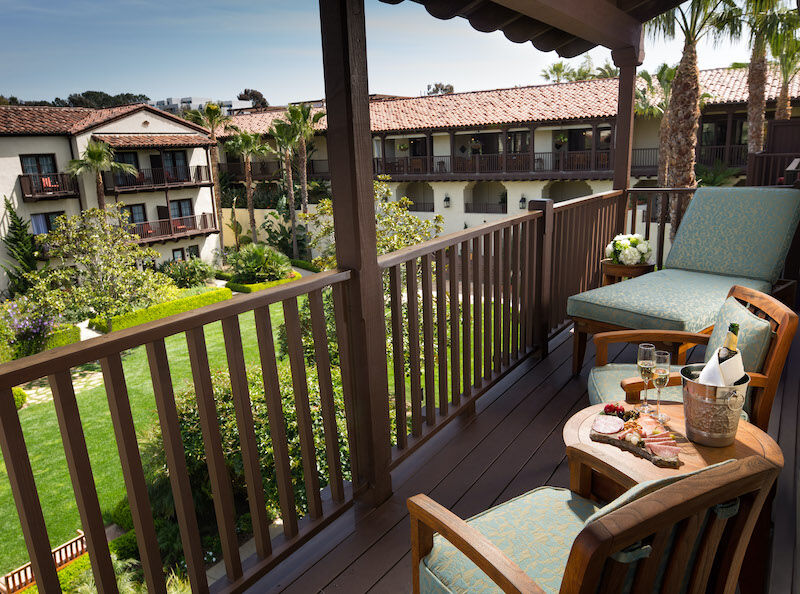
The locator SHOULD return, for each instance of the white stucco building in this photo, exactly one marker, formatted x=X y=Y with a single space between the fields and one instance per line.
x=170 y=197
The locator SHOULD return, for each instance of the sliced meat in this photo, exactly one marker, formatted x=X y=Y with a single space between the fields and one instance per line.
x=608 y=424
x=664 y=451
x=660 y=437
x=672 y=444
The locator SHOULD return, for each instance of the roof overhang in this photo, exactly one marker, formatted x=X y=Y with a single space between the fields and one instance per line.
x=156 y=141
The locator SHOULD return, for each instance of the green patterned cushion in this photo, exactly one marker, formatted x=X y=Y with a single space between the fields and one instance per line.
x=755 y=334
x=668 y=299
x=535 y=530
x=603 y=384
x=737 y=232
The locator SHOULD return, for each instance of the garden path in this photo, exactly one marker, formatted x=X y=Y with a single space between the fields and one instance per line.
x=83 y=378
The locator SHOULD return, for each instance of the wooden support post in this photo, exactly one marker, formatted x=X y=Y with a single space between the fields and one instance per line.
x=626 y=59
x=594 y=147
x=504 y=147
x=383 y=153
x=344 y=58
x=532 y=147
x=726 y=155
x=429 y=146
x=541 y=274
x=452 y=151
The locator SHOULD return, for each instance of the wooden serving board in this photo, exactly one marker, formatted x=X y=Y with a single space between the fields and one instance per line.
x=634 y=449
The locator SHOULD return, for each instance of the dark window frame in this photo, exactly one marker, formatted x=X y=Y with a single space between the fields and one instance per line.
x=38 y=164
x=130 y=207
x=49 y=218
x=182 y=252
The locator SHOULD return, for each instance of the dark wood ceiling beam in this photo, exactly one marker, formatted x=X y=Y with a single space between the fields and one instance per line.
x=550 y=40
x=447 y=9
x=575 y=48
x=599 y=21
x=488 y=17
x=524 y=29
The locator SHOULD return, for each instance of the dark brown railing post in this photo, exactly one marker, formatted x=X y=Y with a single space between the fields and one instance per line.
x=541 y=274
x=350 y=149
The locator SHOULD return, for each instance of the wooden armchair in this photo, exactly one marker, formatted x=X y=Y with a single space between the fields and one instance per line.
x=714 y=510
x=782 y=320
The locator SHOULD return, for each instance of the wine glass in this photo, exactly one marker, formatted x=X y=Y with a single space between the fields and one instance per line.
x=646 y=361
x=660 y=379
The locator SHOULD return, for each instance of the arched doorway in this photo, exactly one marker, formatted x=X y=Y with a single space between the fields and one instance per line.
x=420 y=194
x=558 y=191
x=486 y=196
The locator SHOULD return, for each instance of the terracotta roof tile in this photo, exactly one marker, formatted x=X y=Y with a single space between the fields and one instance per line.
x=135 y=141
x=520 y=105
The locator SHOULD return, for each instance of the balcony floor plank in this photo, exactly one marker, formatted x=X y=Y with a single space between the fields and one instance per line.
x=512 y=444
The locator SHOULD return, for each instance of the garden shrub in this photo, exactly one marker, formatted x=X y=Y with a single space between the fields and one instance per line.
x=70 y=576
x=121 y=515
x=222 y=275
x=253 y=287
x=63 y=335
x=257 y=263
x=187 y=273
x=155 y=467
x=307 y=331
x=161 y=310
x=125 y=547
x=30 y=326
x=305 y=265
x=20 y=397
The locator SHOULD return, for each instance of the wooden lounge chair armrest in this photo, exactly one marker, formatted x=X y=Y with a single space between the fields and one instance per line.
x=428 y=517
x=603 y=339
x=634 y=385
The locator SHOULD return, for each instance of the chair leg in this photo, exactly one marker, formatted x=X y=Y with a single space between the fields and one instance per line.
x=578 y=350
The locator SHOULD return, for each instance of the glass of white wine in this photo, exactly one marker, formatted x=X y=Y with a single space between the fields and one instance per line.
x=660 y=380
x=646 y=361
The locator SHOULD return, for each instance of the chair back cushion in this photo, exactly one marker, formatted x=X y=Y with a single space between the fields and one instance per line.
x=755 y=334
x=742 y=231
x=645 y=488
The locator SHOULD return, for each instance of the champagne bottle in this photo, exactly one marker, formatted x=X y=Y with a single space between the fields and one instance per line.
x=728 y=350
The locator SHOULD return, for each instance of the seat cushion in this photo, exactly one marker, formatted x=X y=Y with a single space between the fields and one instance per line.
x=603 y=384
x=755 y=334
x=535 y=530
x=737 y=232
x=668 y=299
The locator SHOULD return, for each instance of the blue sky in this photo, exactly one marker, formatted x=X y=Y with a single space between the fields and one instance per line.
x=215 y=49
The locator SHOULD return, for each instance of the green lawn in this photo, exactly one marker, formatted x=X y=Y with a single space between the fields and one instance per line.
x=47 y=454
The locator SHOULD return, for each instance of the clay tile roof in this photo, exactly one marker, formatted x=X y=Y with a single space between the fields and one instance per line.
x=140 y=141
x=261 y=121
x=36 y=120
x=521 y=105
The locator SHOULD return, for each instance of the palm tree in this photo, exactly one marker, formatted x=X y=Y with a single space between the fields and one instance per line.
x=653 y=101
x=558 y=72
x=212 y=118
x=694 y=20
x=607 y=70
x=760 y=16
x=98 y=157
x=785 y=49
x=248 y=145
x=286 y=141
x=303 y=120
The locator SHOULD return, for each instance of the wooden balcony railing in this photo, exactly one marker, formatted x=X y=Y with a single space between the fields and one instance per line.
x=486 y=207
x=149 y=231
x=462 y=311
x=48 y=186
x=144 y=179
x=769 y=169
x=22 y=577
x=270 y=170
x=421 y=207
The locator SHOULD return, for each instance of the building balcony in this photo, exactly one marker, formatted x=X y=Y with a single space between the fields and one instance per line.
x=486 y=207
x=421 y=207
x=48 y=186
x=271 y=170
x=149 y=180
x=175 y=228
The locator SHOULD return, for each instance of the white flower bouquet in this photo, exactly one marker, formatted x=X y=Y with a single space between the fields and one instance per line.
x=630 y=250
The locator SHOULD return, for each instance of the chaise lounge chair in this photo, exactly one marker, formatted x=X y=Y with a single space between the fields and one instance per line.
x=728 y=236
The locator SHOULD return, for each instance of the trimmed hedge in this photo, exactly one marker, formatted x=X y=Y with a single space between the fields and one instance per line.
x=305 y=265
x=239 y=288
x=20 y=397
x=222 y=275
x=63 y=335
x=160 y=310
x=70 y=575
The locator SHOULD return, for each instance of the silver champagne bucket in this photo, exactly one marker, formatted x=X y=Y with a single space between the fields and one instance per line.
x=712 y=413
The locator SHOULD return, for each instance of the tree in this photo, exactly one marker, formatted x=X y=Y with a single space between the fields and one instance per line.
x=101 y=99
x=396 y=227
x=248 y=145
x=653 y=101
x=558 y=72
x=607 y=70
x=97 y=268
x=21 y=249
x=785 y=49
x=583 y=72
x=212 y=118
x=694 y=20
x=302 y=119
x=98 y=157
x=286 y=141
x=440 y=89
x=253 y=96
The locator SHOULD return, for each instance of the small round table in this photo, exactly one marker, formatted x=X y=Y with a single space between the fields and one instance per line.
x=612 y=273
x=623 y=470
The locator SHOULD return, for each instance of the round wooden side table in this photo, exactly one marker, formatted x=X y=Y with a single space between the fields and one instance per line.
x=624 y=470
x=613 y=273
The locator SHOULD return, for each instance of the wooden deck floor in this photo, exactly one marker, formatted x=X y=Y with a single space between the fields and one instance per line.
x=512 y=444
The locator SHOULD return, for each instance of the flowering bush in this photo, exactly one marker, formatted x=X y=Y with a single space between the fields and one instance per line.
x=630 y=250
x=29 y=325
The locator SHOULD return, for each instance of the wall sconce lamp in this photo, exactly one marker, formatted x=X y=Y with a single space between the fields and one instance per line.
x=447 y=200
x=523 y=202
